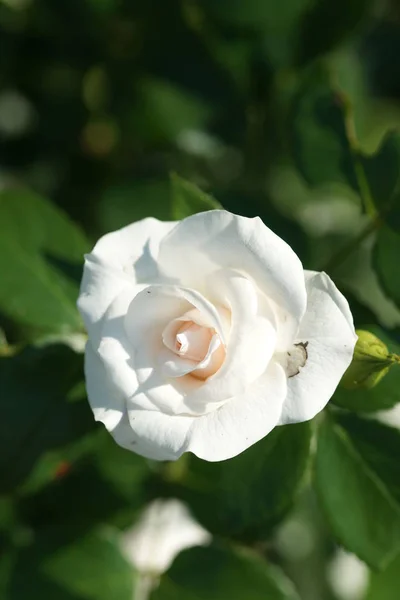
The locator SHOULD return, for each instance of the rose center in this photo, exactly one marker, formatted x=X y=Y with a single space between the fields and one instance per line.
x=193 y=341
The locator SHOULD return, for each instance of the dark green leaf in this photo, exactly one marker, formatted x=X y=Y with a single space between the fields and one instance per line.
x=218 y=573
x=134 y=200
x=36 y=414
x=381 y=397
x=385 y=259
x=32 y=289
x=165 y=110
x=89 y=568
x=383 y=172
x=322 y=149
x=326 y=23
x=105 y=485
x=361 y=511
x=188 y=199
x=379 y=446
x=276 y=23
x=325 y=149
x=255 y=14
x=247 y=495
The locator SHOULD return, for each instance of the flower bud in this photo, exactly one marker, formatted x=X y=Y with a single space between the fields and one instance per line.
x=371 y=362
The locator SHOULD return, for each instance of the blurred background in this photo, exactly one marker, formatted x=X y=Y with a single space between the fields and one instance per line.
x=100 y=100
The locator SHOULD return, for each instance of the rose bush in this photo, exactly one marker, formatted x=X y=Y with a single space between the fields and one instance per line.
x=205 y=334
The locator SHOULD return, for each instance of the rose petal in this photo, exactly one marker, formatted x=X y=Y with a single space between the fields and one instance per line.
x=117 y=352
x=203 y=243
x=110 y=268
x=134 y=249
x=99 y=288
x=328 y=328
x=242 y=421
x=160 y=304
x=177 y=366
x=162 y=435
x=109 y=407
x=222 y=433
x=145 y=321
x=251 y=342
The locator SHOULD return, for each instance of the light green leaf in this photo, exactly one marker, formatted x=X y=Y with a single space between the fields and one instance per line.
x=218 y=573
x=385 y=585
x=361 y=510
x=188 y=199
x=35 y=237
x=385 y=395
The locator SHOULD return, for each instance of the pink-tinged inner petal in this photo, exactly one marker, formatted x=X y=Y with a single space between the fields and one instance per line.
x=196 y=348
x=193 y=341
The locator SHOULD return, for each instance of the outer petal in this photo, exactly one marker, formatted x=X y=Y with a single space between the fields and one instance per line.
x=205 y=242
x=99 y=288
x=134 y=249
x=219 y=435
x=109 y=407
x=328 y=328
x=242 y=421
x=118 y=261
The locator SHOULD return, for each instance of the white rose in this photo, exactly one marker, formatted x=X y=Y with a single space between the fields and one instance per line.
x=207 y=333
x=164 y=529
x=348 y=576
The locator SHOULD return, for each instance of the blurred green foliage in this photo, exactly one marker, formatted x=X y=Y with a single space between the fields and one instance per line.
x=287 y=110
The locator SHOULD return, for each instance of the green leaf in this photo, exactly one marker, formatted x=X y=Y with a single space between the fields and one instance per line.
x=36 y=414
x=385 y=260
x=275 y=23
x=247 y=495
x=162 y=199
x=218 y=573
x=322 y=149
x=164 y=110
x=385 y=585
x=383 y=172
x=360 y=508
x=379 y=445
x=325 y=149
x=255 y=14
x=134 y=200
x=89 y=568
x=188 y=199
x=385 y=395
x=34 y=234
x=107 y=484
x=326 y=23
